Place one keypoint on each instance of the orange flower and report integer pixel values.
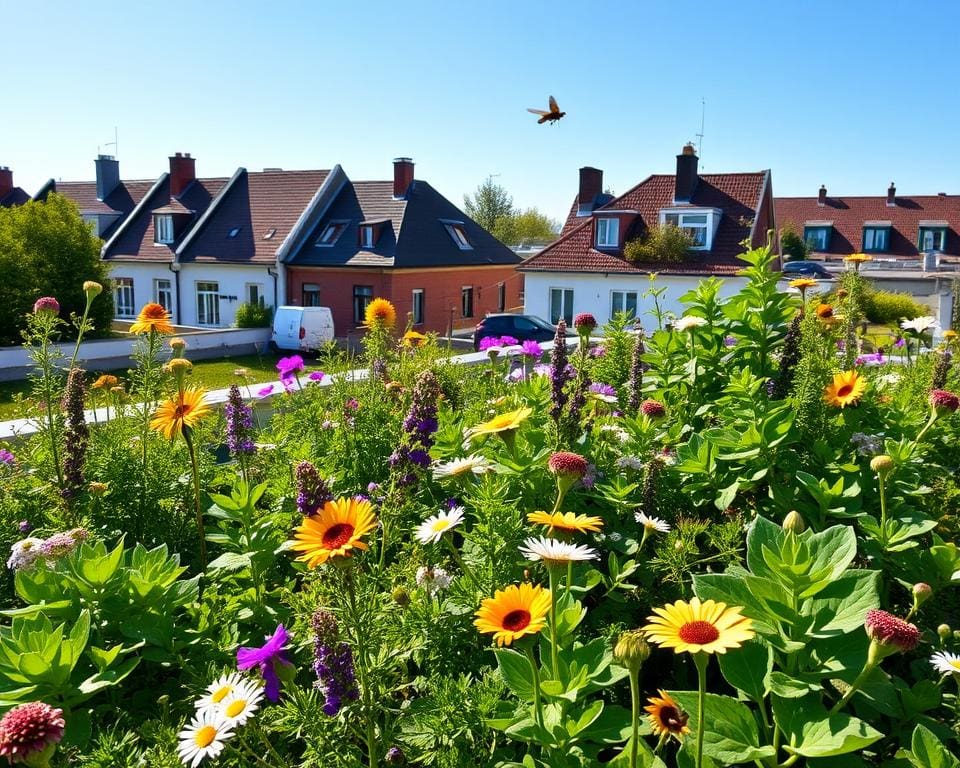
(183, 411)
(334, 531)
(380, 313)
(514, 612)
(846, 389)
(153, 317)
(666, 717)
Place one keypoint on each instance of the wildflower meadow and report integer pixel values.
(720, 538)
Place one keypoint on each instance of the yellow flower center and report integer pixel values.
(698, 632)
(220, 694)
(234, 708)
(955, 663)
(204, 736)
(440, 525)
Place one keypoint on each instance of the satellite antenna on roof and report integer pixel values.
(703, 115)
(115, 143)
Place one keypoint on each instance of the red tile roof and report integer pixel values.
(738, 195)
(848, 215)
(256, 204)
(120, 200)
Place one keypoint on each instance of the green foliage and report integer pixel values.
(794, 247)
(888, 308)
(46, 249)
(660, 244)
(254, 315)
(491, 206)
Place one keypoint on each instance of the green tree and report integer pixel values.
(667, 243)
(533, 226)
(794, 247)
(46, 249)
(488, 204)
(491, 206)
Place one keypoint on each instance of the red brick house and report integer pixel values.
(894, 229)
(9, 194)
(585, 270)
(402, 240)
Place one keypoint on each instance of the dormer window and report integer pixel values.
(817, 235)
(933, 236)
(876, 237)
(459, 237)
(331, 233)
(367, 238)
(699, 225)
(163, 229)
(608, 233)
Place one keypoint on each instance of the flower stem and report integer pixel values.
(80, 329)
(554, 637)
(195, 471)
(701, 660)
(362, 671)
(883, 509)
(635, 715)
(861, 679)
(535, 668)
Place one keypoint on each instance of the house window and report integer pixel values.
(310, 295)
(466, 301)
(123, 296)
(208, 303)
(501, 297)
(623, 301)
(818, 238)
(459, 237)
(163, 294)
(255, 293)
(561, 305)
(876, 239)
(362, 295)
(94, 222)
(270, 233)
(163, 229)
(234, 232)
(417, 306)
(608, 233)
(331, 233)
(932, 238)
(696, 225)
(366, 237)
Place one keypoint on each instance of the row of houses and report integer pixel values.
(202, 245)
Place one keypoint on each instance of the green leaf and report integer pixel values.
(732, 589)
(790, 687)
(730, 735)
(748, 669)
(840, 607)
(928, 751)
(231, 561)
(812, 732)
(516, 673)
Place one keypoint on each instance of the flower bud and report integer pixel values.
(881, 464)
(92, 289)
(890, 632)
(394, 756)
(794, 522)
(177, 345)
(401, 597)
(944, 402)
(46, 304)
(944, 631)
(98, 489)
(631, 650)
(653, 409)
(921, 593)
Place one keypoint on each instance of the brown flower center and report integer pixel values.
(698, 632)
(672, 719)
(845, 390)
(181, 410)
(516, 620)
(337, 535)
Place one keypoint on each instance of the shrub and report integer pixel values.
(254, 316)
(887, 308)
(667, 243)
(792, 244)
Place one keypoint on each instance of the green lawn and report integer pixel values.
(216, 373)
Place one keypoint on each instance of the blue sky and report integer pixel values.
(851, 94)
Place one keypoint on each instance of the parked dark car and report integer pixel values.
(792, 269)
(521, 327)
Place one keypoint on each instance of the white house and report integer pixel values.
(585, 270)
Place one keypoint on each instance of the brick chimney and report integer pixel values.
(402, 176)
(822, 197)
(591, 186)
(183, 173)
(108, 175)
(686, 179)
(891, 196)
(6, 181)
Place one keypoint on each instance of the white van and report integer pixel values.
(301, 328)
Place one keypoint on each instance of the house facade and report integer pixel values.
(585, 269)
(402, 240)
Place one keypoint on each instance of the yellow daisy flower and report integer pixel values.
(566, 521)
(802, 283)
(695, 627)
(505, 422)
(514, 612)
(666, 717)
(380, 313)
(846, 389)
(334, 531)
(185, 409)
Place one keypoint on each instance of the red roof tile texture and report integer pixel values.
(849, 214)
(738, 195)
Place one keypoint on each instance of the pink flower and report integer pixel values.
(264, 391)
(584, 322)
(566, 463)
(508, 341)
(268, 658)
(46, 304)
(290, 366)
(653, 409)
(944, 401)
(30, 729)
(316, 376)
(886, 629)
(532, 349)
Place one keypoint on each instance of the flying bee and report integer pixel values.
(548, 117)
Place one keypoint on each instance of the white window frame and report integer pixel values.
(121, 285)
(459, 237)
(708, 226)
(501, 297)
(159, 289)
(366, 236)
(608, 232)
(623, 294)
(249, 296)
(565, 312)
(417, 306)
(331, 234)
(163, 229)
(212, 297)
(934, 233)
(94, 221)
(872, 232)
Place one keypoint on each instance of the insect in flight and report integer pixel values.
(548, 117)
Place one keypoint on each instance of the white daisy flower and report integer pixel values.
(889, 379)
(630, 462)
(920, 324)
(687, 322)
(219, 690)
(431, 529)
(475, 464)
(240, 705)
(433, 579)
(946, 663)
(204, 737)
(652, 523)
(552, 551)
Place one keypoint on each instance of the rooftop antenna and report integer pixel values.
(703, 115)
(115, 143)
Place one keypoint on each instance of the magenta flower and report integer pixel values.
(29, 732)
(290, 366)
(46, 304)
(532, 349)
(317, 376)
(487, 342)
(268, 658)
(264, 391)
(508, 341)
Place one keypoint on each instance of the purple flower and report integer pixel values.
(371, 487)
(508, 341)
(75, 435)
(290, 366)
(532, 349)
(264, 391)
(46, 304)
(541, 369)
(268, 658)
(7, 458)
(901, 342)
(419, 426)
(488, 342)
(25, 526)
(351, 404)
(598, 351)
(729, 341)
(316, 376)
(239, 424)
(332, 663)
(312, 490)
(606, 390)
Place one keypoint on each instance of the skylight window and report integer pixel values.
(270, 234)
(459, 237)
(331, 233)
(234, 232)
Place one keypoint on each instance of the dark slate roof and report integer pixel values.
(135, 239)
(255, 203)
(120, 202)
(738, 195)
(16, 196)
(849, 214)
(416, 236)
